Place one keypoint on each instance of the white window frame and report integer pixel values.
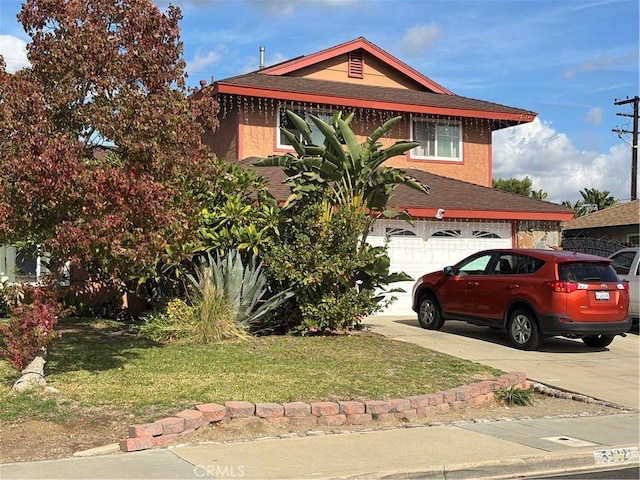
(416, 153)
(324, 114)
(10, 261)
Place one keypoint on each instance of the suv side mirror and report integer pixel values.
(448, 271)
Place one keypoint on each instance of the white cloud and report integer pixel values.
(277, 7)
(419, 38)
(275, 59)
(554, 165)
(604, 62)
(14, 51)
(282, 8)
(594, 116)
(201, 62)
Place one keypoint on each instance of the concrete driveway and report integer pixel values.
(611, 374)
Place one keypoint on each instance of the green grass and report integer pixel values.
(98, 366)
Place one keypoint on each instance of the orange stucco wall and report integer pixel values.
(224, 141)
(375, 73)
(259, 134)
(258, 129)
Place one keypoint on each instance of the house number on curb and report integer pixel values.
(616, 455)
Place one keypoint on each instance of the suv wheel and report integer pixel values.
(429, 315)
(523, 330)
(597, 341)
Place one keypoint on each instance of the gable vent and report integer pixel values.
(356, 65)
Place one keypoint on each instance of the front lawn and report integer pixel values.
(99, 366)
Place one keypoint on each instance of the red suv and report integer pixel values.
(531, 293)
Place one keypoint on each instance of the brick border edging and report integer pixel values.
(166, 431)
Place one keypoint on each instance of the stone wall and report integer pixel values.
(166, 431)
(539, 234)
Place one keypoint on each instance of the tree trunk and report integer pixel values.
(33, 375)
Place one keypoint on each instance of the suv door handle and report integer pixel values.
(513, 286)
(473, 284)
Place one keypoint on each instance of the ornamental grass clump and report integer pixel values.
(175, 322)
(514, 396)
(216, 314)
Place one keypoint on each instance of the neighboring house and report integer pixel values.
(462, 214)
(19, 268)
(604, 232)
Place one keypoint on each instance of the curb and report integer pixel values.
(544, 464)
(553, 391)
(102, 450)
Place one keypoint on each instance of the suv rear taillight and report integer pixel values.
(563, 287)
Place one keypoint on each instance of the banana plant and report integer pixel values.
(342, 171)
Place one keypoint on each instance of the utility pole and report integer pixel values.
(634, 142)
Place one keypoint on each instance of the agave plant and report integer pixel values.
(244, 287)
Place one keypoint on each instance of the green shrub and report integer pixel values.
(334, 311)
(320, 260)
(514, 396)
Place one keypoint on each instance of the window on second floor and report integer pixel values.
(439, 140)
(284, 121)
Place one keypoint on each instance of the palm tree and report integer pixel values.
(599, 200)
(538, 194)
(593, 200)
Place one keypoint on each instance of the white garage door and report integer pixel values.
(432, 245)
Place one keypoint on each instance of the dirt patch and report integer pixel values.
(39, 440)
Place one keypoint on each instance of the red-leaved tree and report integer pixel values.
(101, 146)
(31, 328)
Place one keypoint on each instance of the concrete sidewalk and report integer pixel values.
(505, 449)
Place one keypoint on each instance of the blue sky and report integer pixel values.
(567, 60)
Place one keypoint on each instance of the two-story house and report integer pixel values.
(461, 215)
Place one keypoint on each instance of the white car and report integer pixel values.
(626, 263)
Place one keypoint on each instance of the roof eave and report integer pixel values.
(602, 227)
(232, 89)
(492, 214)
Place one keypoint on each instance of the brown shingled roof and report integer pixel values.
(348, 94)
(458, 198)
(621, 215)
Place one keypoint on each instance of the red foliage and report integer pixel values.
(102, 154)
(32, 324)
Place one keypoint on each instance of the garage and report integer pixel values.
(431, 245)
(456, 219)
